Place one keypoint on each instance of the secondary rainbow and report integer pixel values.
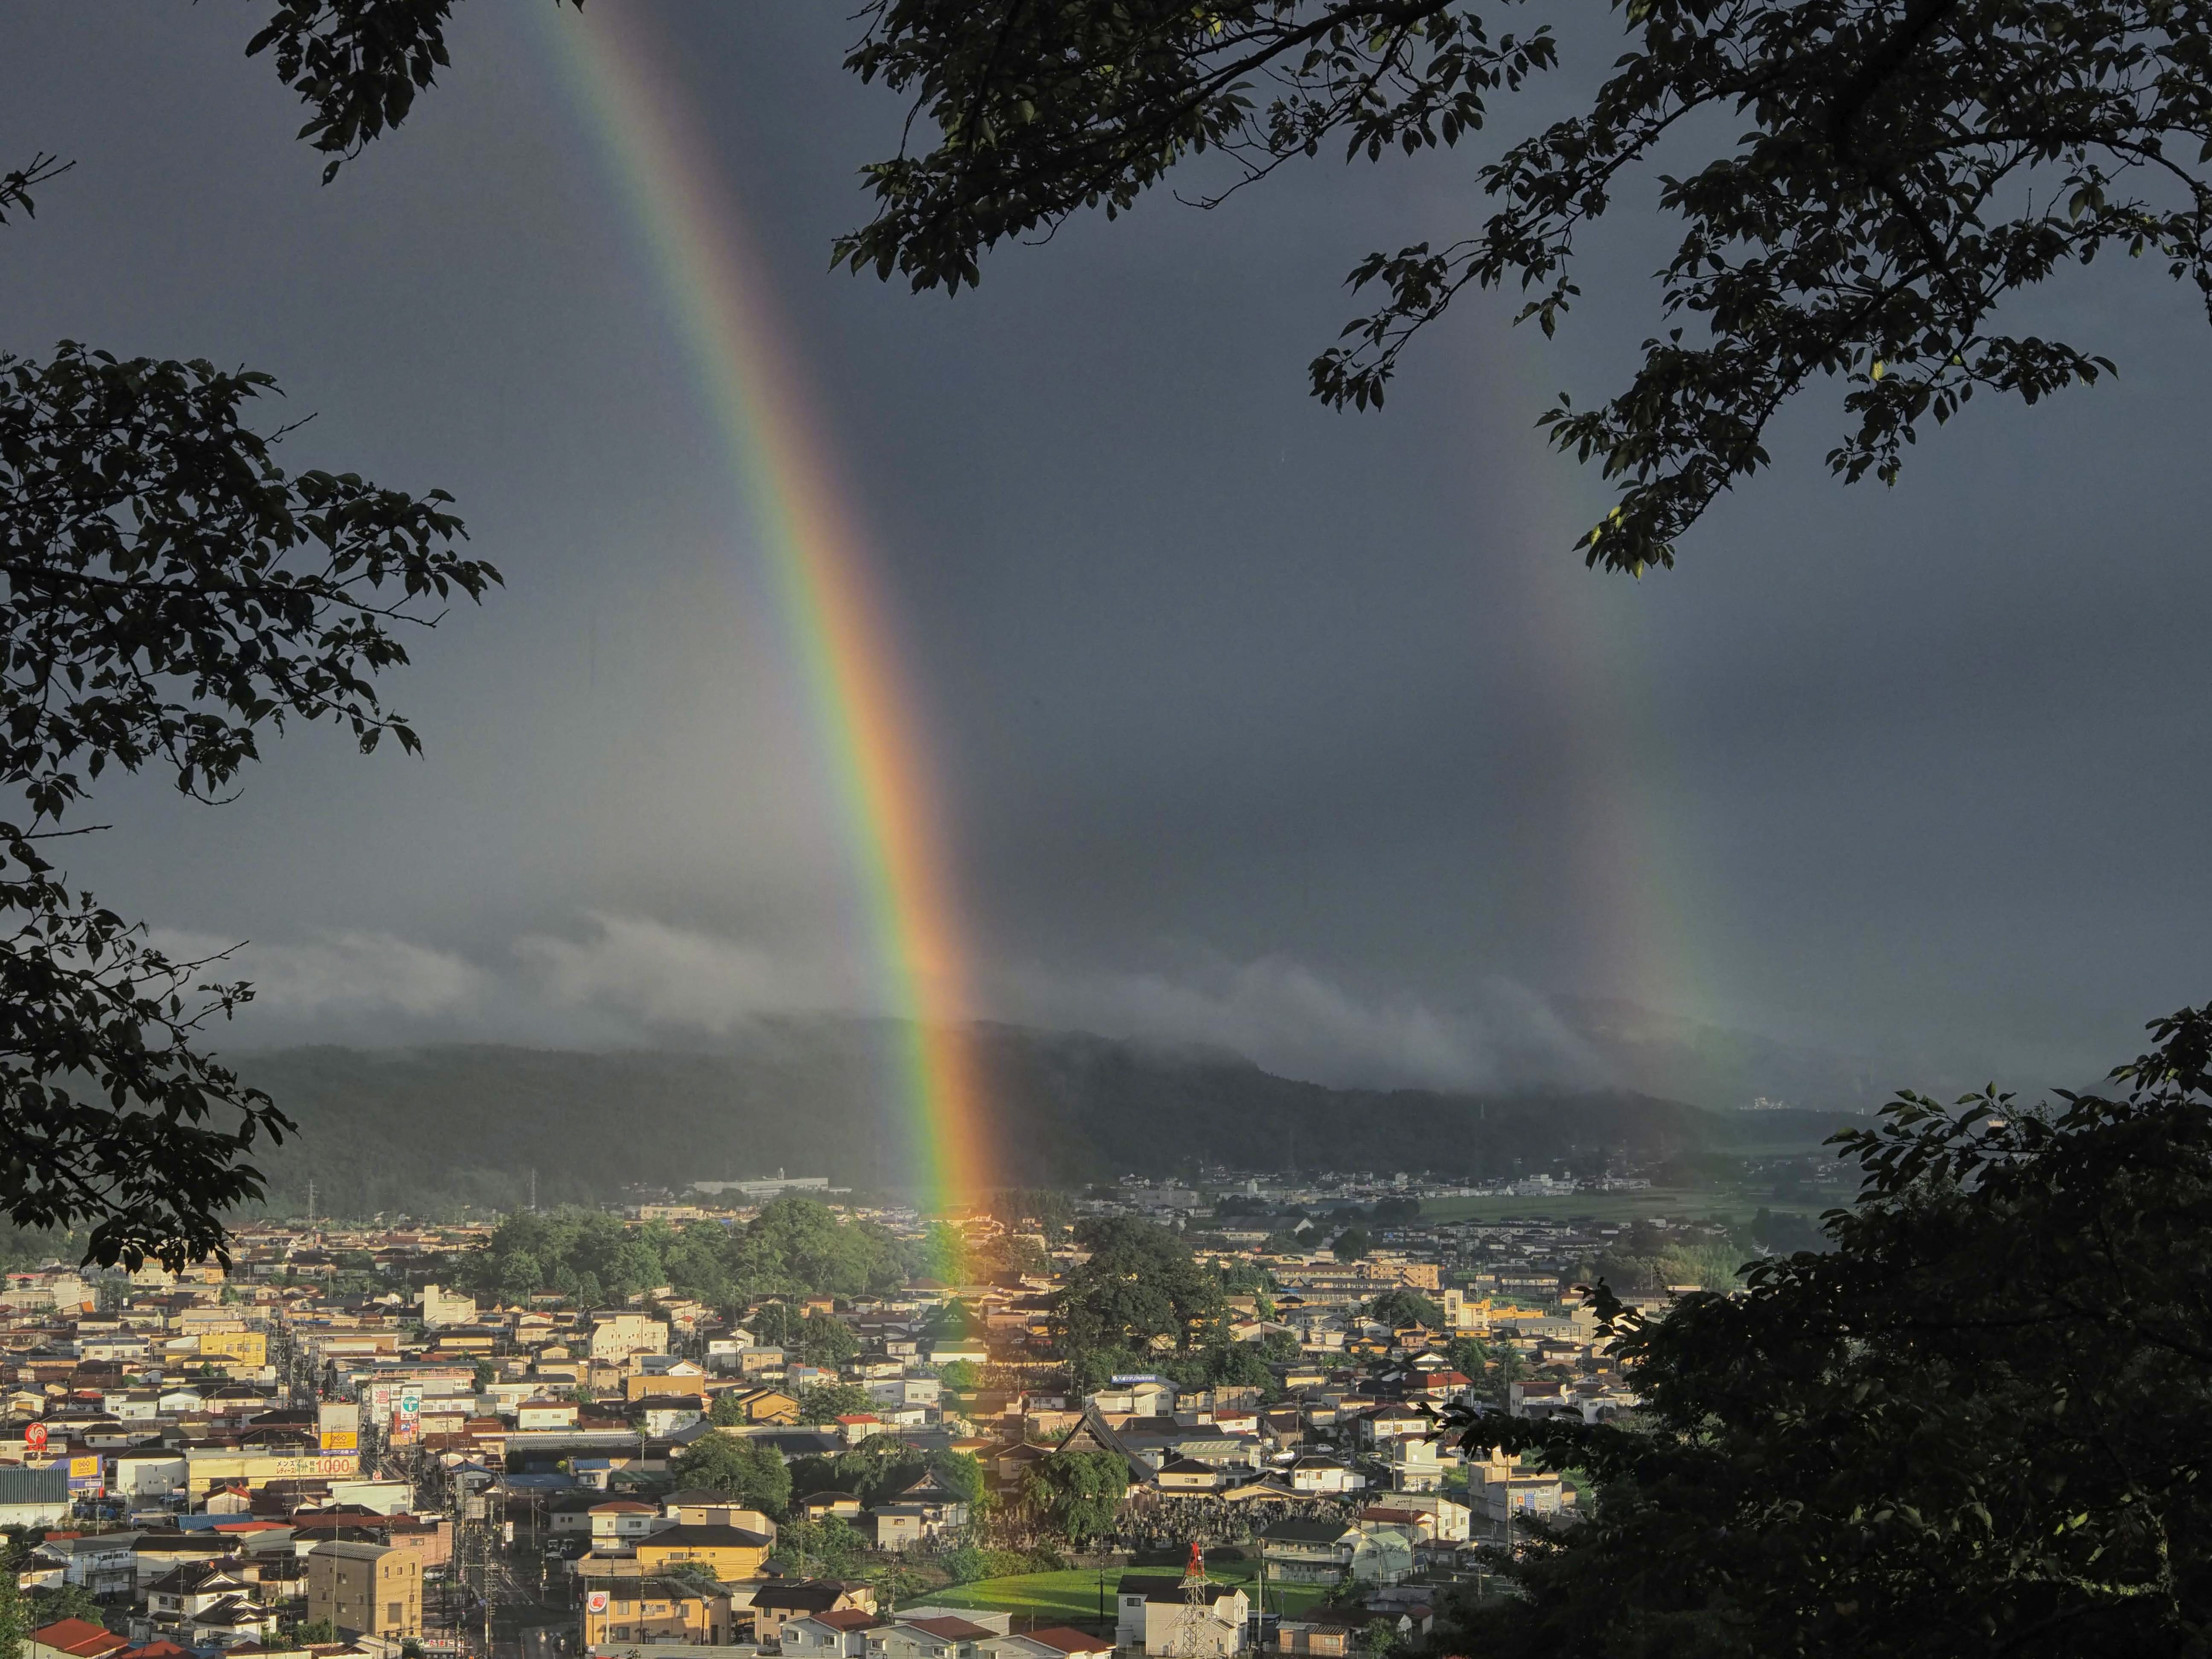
(818, 566)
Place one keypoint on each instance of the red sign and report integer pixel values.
(34, 1437)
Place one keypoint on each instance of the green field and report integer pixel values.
(1072, 1596)
(1683, 1203)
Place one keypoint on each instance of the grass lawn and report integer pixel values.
(1072, 1596)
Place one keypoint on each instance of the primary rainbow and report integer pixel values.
(819, 569)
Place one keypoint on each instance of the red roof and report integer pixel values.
(1068, 1640)
(80, 1637)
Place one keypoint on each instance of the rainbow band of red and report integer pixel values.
(821, 575)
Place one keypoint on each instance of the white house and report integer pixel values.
(927, 1638)
(840, 1633)
(1318, 1473)
(1159, 1614)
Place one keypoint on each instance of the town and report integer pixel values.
(760, 1418)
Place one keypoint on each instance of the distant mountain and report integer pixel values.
(1727, 1070)
(426, 1129)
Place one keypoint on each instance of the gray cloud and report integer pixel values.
(1293, 1021)
(349, 975)
(668, 976)
(1323, 698)
(633, 978)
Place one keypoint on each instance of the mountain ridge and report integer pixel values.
(442, 1125)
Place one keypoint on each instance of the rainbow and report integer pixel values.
(819, 570)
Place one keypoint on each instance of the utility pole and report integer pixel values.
(533, 1192)
(311, 1206)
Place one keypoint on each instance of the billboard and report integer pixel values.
(34, 1437)
(406, 1413)
(337, 1426)
(595, 1602)
(84, 1474)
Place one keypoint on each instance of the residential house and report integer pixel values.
(1332, 1552)
(72, 1638)
(154, 1553)
(105, 1564)
(1160, 1614)
(842, 1633)
(664, 1374)
(1446, 1516)
(1417, 1465)
(781, 1599)
(655, 1611)
(618, 1522)
(1057, 1642)
(1440, 1387)
(769, 1406)
(662, 1415)
(182, 1591)
(729, 1552)
(366, 1590)
(1188, 1475)
(1497, 1488)
(1395, 1421)
(896, 1528)
(570, 1514)
(1318, 1473)
(698, 1508)
(544, 1413)
(943, 1506)
(444, 1308)
(947, 1637)
(229, 1623)
(617, 1336)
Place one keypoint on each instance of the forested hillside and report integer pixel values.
(431, 1128)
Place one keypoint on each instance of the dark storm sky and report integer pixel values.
(1299, 731)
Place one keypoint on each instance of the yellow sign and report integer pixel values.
(84, 1468)
(341, 1440)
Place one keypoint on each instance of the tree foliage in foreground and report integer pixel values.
(169, 595)
(1857, 186)
(1980, 1423)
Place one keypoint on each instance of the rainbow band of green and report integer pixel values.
(819, 569)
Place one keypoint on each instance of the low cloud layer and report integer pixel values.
(623, 980)
(343, 977)
(668, 976)
(1293, 1021)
